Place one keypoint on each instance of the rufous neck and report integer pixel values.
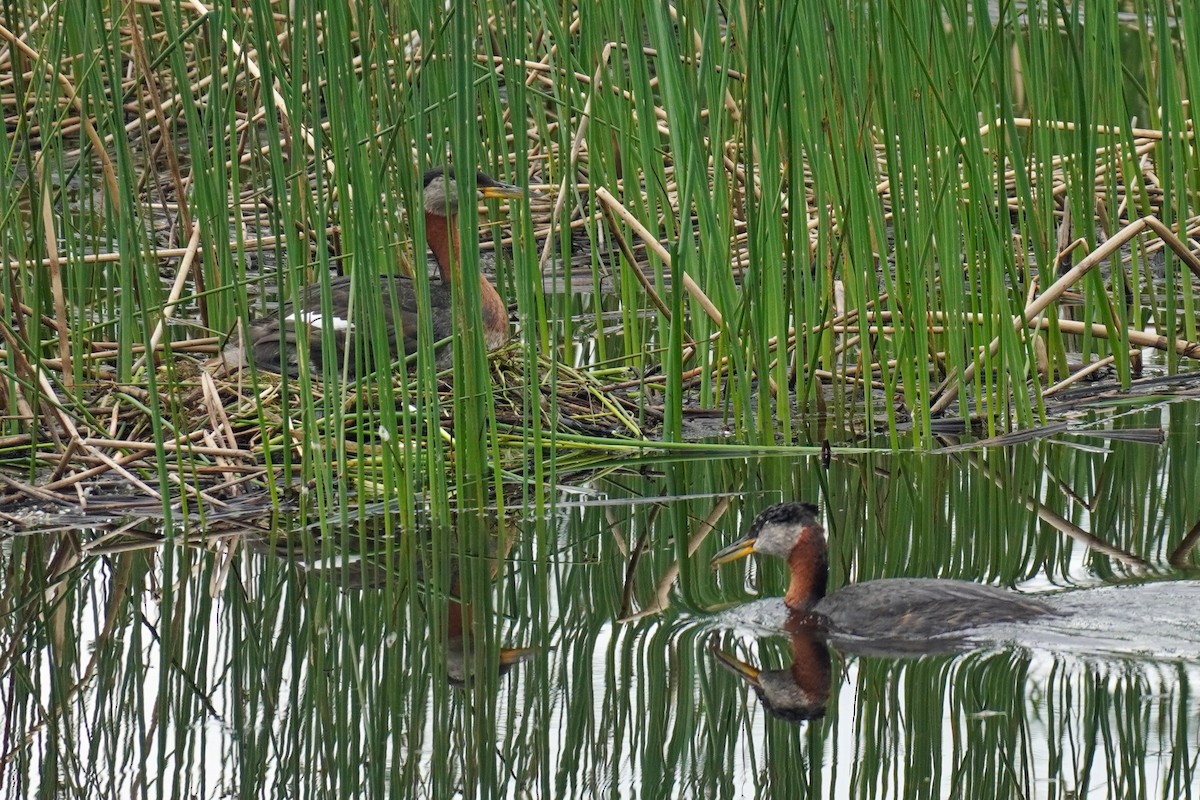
(441, 235)
(809, 568)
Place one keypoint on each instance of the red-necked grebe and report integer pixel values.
(895, 608)
(271, 342)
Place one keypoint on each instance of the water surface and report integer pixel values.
(290, 656)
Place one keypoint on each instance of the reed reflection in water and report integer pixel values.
(313, 661)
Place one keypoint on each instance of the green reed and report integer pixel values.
(310, 684)
(840, 97)
(814, 108)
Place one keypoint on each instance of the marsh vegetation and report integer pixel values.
(932, 265)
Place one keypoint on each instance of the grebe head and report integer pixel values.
(792, 532)
(441, 191)
(775, 532)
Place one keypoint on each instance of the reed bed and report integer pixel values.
(890, 219)
(876, 216)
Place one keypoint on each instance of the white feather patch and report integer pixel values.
(315, 320)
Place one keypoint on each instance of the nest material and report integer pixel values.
(222, 433)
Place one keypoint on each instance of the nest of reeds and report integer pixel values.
(223, 433)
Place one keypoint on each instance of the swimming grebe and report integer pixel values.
(891, 609)
(271, 341)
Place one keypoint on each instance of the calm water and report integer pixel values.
(291, 659)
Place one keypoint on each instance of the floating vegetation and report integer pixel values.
(229, 431)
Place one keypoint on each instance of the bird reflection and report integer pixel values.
(458, 665)
(352, 572)
(799, 692)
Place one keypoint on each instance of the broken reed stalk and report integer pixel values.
(1075, 377)
(654, 244)
(1055, 291)
(50, 230)
(181, 276)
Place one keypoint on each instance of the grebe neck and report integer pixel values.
(441, 233)
(440, 236)
(810, 659)
(809, 567)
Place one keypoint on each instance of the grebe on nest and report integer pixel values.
(271, 342)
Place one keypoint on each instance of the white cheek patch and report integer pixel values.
(776, 540)
(315, 320)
